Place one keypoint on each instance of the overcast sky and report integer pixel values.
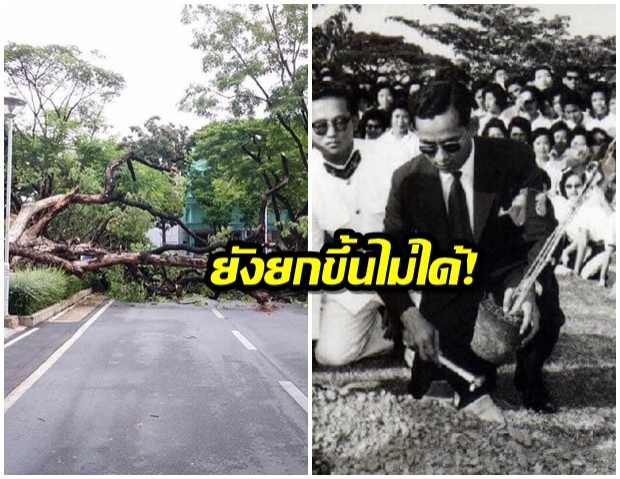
(144, 42)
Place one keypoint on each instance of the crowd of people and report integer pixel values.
(567, 118)
(457, 159)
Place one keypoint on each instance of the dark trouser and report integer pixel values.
(454, 316)
(530, 359)
(455, 319)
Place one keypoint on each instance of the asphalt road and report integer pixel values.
(163, 389)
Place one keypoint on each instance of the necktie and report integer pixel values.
(458, 215)
(347, 169)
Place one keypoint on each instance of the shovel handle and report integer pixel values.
(474, 381)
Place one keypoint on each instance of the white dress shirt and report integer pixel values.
(398, 150)
(357, 203)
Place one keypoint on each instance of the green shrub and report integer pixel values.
(124, 287)
(74, 285)
(33, 289)
(96, 280)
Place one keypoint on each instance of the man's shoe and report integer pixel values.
(485, 409)
(539, 400)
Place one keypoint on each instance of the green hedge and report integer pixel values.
(124, 287)
(33, 289)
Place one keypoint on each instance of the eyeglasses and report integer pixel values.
(571, 77)
(340, 124)
(450, 147)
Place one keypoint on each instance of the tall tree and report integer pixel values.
(66, 93)
(165, 144)
(58, 83)
(243, 165)
(363, 57)
(255, 57)
(489, 35)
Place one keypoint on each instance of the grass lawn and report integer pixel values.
(364, 422)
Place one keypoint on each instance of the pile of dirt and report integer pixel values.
(383, 433)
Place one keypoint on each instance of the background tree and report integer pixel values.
(517, 37)
(256, 58)
(169, 145)
(369, 56)
(363, 58)
(244, 164)
(335, 35)
(482, 36)
(65, 95)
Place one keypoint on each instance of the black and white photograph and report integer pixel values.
(485, 124)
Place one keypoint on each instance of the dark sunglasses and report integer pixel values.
(570, 77)
(340, 124)
(431, 149)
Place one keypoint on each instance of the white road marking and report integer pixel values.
(13, 341)
(299, 397)
(244, 340)
(58, 315)
(20, 390)
(217, 313)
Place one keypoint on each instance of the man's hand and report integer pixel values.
(418, 332)
(531, 314)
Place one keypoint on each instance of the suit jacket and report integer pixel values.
(416, 205)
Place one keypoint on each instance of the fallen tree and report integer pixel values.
(29, 242)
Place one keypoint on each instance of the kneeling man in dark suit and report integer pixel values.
(459, 189)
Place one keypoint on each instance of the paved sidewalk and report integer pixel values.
(73, 314)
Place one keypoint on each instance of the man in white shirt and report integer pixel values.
(573, 77)
(350, 185)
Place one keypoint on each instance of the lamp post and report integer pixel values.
(12, 106)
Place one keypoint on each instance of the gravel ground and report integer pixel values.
(364, 422)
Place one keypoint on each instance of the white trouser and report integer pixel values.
(345, 337)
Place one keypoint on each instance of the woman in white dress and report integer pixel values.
(591, 232)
